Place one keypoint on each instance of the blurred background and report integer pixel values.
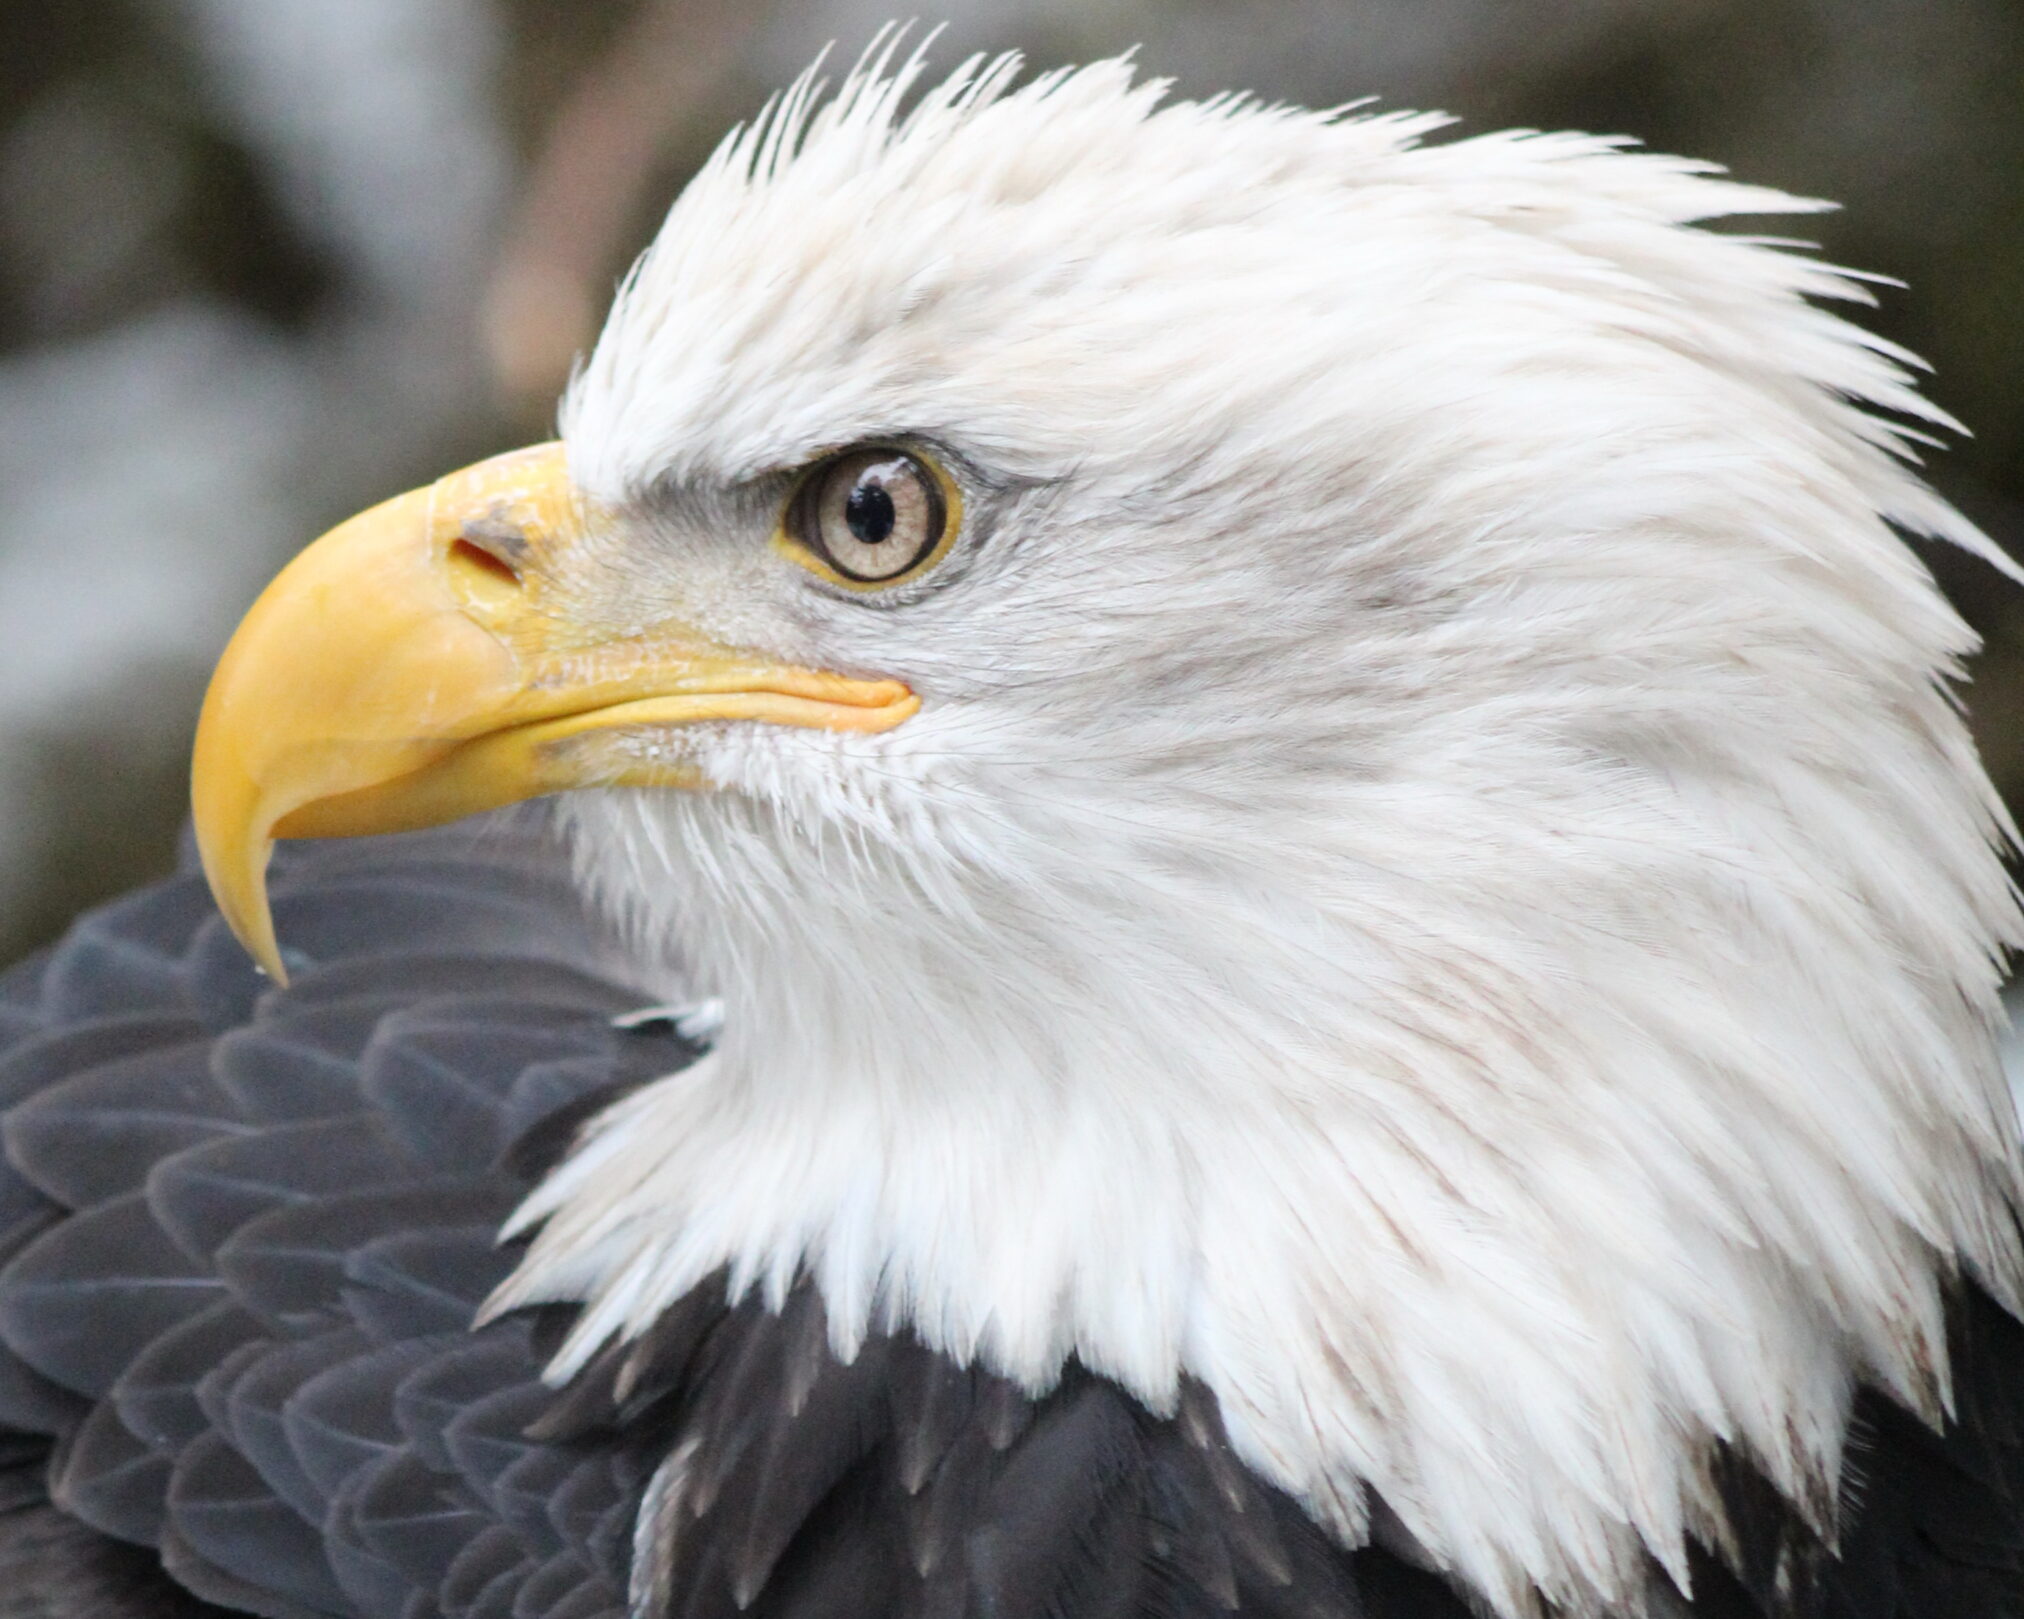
(264, 262)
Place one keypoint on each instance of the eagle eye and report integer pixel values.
(870, 516)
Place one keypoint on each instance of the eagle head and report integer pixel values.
(1301, 759)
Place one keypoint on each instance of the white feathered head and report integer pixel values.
(1435, 883)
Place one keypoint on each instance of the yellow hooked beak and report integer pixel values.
(419, 663)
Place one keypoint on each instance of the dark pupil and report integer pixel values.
(869, 512)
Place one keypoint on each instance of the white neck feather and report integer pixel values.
(1491, 970)
(1501, 1178)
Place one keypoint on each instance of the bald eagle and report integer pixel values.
(1318, 937)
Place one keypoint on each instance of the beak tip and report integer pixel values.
(238, 881)
(270, 965)
(251, 919)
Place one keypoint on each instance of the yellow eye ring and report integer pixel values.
(870, 517)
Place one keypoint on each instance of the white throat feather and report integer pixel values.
(1438, 886)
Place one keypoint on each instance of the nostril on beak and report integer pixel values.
(485, 561)
(476, 558)
(493, 543)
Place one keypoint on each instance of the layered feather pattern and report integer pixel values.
(248, 1230)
